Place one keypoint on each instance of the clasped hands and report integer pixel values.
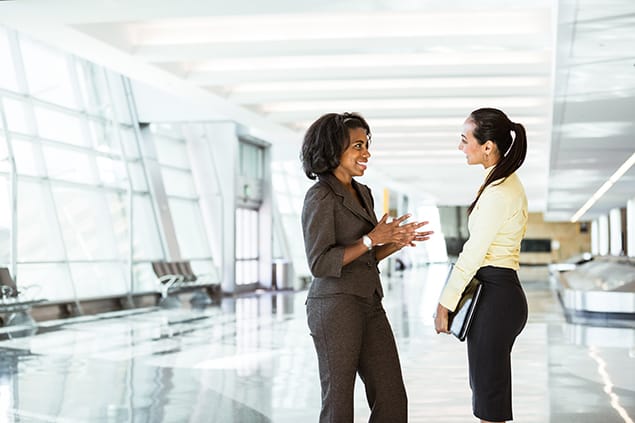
(398, 233)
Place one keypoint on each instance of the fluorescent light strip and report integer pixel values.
(377, 124)
(604, 188)
(284, 27)
(380, 84)
(257, 64)
(387, 104)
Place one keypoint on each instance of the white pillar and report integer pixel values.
(630, 228)
(223, 149)
(603, 235)
(615, 230)
(595, 238)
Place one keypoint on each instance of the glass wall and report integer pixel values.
(81, 180)
(183, 197)
(251, 159)
(250, 197)
(290, 185)
(247, 256)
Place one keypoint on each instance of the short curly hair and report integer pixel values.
(326, 139)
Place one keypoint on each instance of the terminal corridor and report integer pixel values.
(251, 360)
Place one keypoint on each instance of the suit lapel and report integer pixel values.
(347, 199)
(367, 200)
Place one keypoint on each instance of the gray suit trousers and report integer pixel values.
(352, 335)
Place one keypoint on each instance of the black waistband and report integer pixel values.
(493, 274)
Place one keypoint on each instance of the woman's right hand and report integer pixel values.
(394, 232)
(441, 319)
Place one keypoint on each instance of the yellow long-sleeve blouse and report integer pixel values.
(497, 225)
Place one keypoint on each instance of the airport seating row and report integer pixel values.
(176, 277)
(173, 279)
(15, 303)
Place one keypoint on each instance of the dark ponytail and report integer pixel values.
(510, 139)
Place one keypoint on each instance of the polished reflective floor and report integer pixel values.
(252, 360)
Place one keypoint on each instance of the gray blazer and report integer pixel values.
(331, 220)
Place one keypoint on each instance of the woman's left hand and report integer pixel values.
(411, 235)
(402, 235)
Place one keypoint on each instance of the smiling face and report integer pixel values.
(354, 159)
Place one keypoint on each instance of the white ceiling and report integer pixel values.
(594, 108)
(414, 69)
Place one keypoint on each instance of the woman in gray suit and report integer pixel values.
(344, 242)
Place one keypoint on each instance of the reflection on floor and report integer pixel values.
(252, 360)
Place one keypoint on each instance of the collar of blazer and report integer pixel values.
(347, 199)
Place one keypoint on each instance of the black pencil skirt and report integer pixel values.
(501, 315)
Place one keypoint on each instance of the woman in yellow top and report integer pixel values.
(497, 223)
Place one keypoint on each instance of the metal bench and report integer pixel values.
(15, 304)
(176, 277)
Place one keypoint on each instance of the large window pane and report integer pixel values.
(206, 269)
(137, 176)
(5, 164)
(72, 201)
(284, 204)
(118, 209)
(290, 185)
(190, 231)
(38, 239)
(119, 98)
(99, 279)
(129, 140)
(5, 219)
(146, 243)
(69, 165)
(7, 70)
(51, 281)
(251, 158)
(172, 152)
(85, 224)
(47, 73)
(144, 278)
(107, 140)
(59, 126)
(16, 114)
(104, 138)
(178, 182)
(26, 158)
(92, 86)
(111, 172)
(246, 246)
